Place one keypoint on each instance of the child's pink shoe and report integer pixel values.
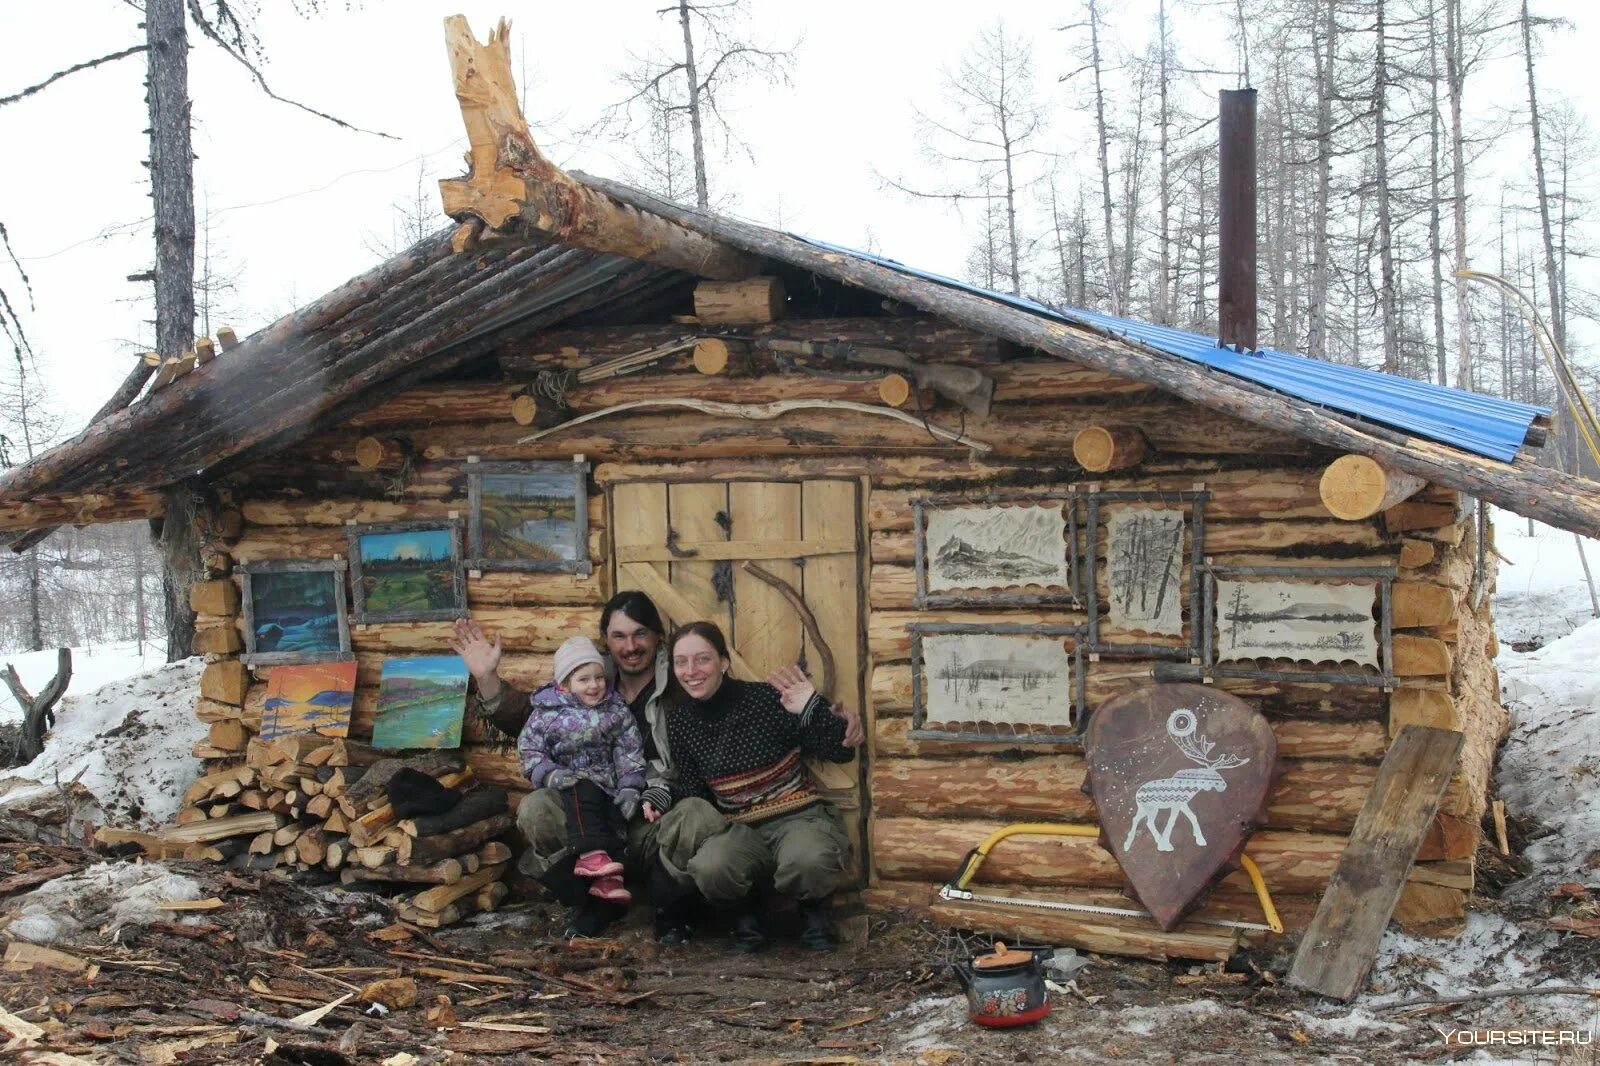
(611, 889)
(596, 864)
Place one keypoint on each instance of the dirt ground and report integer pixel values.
(221, 985)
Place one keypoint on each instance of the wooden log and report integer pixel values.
(352, 753)
(894, 390)
(473, 807)
(207, 831)
(225, 682)
(227, 338)
(1414, 515)
(1419, 603)
(757, 299)
(1433, 707)
(229, 735)
(443, 872)
(311, 847)
(510, 183)
(207, 784)
(1102, 448)
(218, 640)
(189, 815)
(493, 852)
(287, 835)
(375, 780)
(426, 850)
(374, 823)
(490, 896)
(205, 350)
(929, 849)
(1431, 910)
(44, 511)
(1418, 656)
(261, 843)
(374, 857)
(435, 899)
(378, 453)
(712, 355)
(1355, 487)
(1338, 949)
(1416, 553)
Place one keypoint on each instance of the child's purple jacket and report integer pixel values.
(600, 743)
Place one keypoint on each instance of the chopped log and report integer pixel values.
(261, 843)
(375, 822)
(458, 841)
(188, 815)
(473, 807)
(712, 356)
(205, 350)
(1417, 656)
(749, 300)
(339, 853)
(1431, 910)
(207, 831)
(44, 512)
(219, 597)
(376, 778)
(1102, 448)
(337, 822)
(443, 872)
(435, 899)
(218, 640)
(229, 735)
(489, 896)
(287, 835)
(253, 798)
(1416, 553)
(471, 863)
(253, 862)
(1418, 603)
(226, 810)
(379, 453)
(1404, 517)
(355, 754)
(372, 857)
(493, 852)
(227, 338)
(1337, 950)
(208, 784)
(226, 682)
(312, 846)
(510, 183)
(105, 838)
(320, 806)
(1354, 487)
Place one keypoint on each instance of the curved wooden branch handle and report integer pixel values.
(807, 619)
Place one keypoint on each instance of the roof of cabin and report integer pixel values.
(427, 311)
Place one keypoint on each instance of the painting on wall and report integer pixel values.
(996, 679)
(407, 572)
(421, 702)
(528, 516)
(1144, 569)
(294, 612)
(987, 549)
(309, 698)
(1302, 620)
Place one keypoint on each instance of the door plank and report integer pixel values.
(832, 589)
(1338, 948)
(740, 549)
(693, 508)
(768, 632)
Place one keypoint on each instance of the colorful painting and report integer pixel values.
(295, 612)
(528, 516)
(420, 703)
(406, 572)
(1144, 570)
(311, 698)
(995, 547)
(1001, 679)
(1300, 620)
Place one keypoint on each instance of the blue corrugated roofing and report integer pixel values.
(1481, 424)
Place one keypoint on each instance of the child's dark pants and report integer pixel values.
(593, 821)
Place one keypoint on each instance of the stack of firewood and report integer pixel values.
(319, 806)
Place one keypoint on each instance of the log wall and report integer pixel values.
(929, 801)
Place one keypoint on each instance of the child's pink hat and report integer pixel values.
(573, 653)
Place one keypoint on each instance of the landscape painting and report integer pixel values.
(420, 703)
(295, 612)
(309, 698)
(1144, 570)
(995, 547)
(407, 572)
(1297, 620)
(528, 516)
(999, 679)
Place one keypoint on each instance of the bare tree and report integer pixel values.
(991, 122)
(1094, 63)
(411, 218)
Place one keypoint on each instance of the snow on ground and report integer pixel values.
(127, 742)
(92, 668)
(109, 896)
(1540, 593)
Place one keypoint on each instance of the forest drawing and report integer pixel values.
(995, 547)
(295, 612)
(996, 678)
(420, 703)
(407, 572)
(309, 698)
(1144, 569)
(529, 517)
(1296, 620)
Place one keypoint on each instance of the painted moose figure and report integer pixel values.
(1172, 794)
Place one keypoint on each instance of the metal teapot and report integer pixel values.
(1006, 987)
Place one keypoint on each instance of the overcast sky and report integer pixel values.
(294, 201)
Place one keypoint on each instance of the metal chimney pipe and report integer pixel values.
(1236, 216)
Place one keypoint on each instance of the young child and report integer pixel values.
(581, 740)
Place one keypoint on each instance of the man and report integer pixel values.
(635, 640)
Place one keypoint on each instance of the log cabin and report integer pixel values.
(766, 430)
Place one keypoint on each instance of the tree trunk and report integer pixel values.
(1165, 287)
(1380, 83)
(1317, 337)
(1435, 237)
(35, 622)
(171, 174)
(702, 193)
(1455, 84)
(1550, 273)
(1105, 158)
(180, 554)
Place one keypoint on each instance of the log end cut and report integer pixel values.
(1354, 487)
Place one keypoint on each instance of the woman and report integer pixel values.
(739, 745)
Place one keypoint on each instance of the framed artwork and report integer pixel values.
(294, 612)
(407, 572)
(528, 516)
(309, 698)
(1143, 533)
(996, 682)
(421, 702)
(1002, 550)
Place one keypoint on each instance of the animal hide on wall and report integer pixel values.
(1299, 620)
(1144, 569)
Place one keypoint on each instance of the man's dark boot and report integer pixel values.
(676, 908)
(818, 932)
(593, 918)
(749, 936)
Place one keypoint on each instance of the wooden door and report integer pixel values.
(682, 543)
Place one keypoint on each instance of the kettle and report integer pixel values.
(1006, 987)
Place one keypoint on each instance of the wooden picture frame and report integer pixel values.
(574, 546)
(364, 571)
(253, 654)
(1072, 733)
(1064, 593)
(1194, 500)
